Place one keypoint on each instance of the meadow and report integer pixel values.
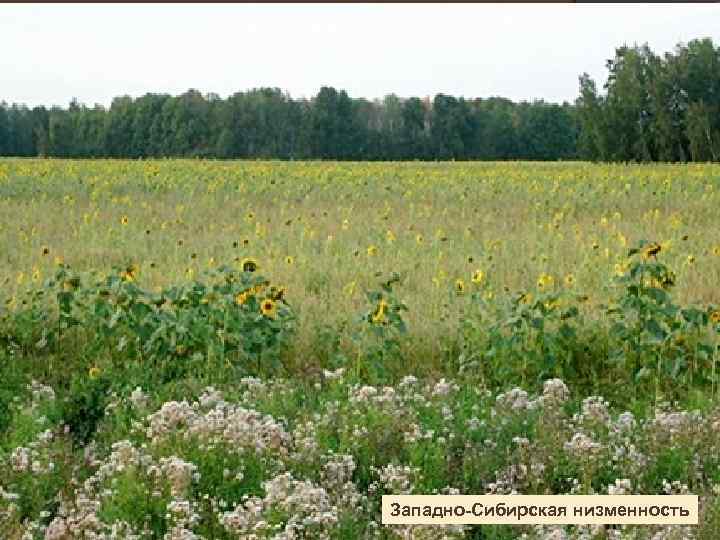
(220, 349)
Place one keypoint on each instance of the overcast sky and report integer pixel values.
(52, 53)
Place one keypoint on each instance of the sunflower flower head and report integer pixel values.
(651, 250)
(130, 273)
(379, 315)
(249, 265)
(277, 293)
(268, 307)
(545, 281)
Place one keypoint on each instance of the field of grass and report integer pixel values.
(201, 349)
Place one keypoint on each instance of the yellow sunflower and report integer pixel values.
(545, 281)
(268, 308)
(130, 273)
(651, 250)
(277, 293)
(380, 311)
(249, 265)
(478, 277)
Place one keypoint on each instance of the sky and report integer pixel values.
(51, 53)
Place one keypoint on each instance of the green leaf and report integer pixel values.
(655, 329)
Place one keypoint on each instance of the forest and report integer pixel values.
(652, 108)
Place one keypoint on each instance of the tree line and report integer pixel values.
(267, 123)
(653, 108)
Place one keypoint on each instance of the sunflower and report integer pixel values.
(130, 273)
(124, 220)
(478, 277)
(277, 293)
(651, 250)
(378, 316)
(268, 308)
(668, 280)
(94, 372)
(242, 297)
(715, 317)
(290, 260)
(545, 281)
(569, 280)
(419, 239)
(372, 250)
(45, 250)
(249, 265)
(459, 286)
(716, 251)
(691, 259)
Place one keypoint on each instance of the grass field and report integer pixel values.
(229, 349)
